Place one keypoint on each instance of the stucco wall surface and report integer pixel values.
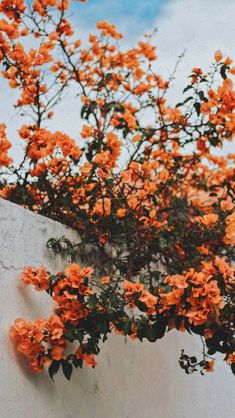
(132, 380)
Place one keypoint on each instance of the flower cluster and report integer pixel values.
(143, 181)
(44, 341)
(195, 295)
(230, 229)
(5, 145)
(88, 309)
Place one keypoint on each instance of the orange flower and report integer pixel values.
(28, 336)
(67, 145)
(197, 71)
(5, 145)
(114, 146)
(229, 238)
(38, 169)
(88, 358)
(203, 300)
(136, 138)
(57, 352)
(74, 275)
(208, 220)
(87, 131)
(225, 269)
(148, 299)
(105, 280)
(108, 30)
(129, 119)
(6, 191)
(39, 278)
(147, 50)
(131, 288)
(121, 213)
(227, 204)
(42, 144)
(36, 364)
(102, 207)
(231, 358)
(203, 249)
(218, 56)
(177, 280)
(55, 327)
(210, 367)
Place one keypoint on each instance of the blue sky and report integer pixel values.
(133, 17)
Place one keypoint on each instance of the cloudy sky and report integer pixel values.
(198, 26)
(133, 17)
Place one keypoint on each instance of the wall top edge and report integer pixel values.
(8, 206)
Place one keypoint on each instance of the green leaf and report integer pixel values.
(203, 80)
(187, 88)
(160, 327)
(92, 301)
(223, 70)
(151, 334)
(77, 362)
(202, 96)
(233, 368)
(214, 141)
(163, 243)
(197, 107)
(141, 306)
(53, 369)
(79, 337)
(108, 77)
(84, 110)
(67, 369)
(69, 335)
(109, 182)
(185, 101)
(126, 327)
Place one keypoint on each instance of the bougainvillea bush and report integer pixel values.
(143, 182)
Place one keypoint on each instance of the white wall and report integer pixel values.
(132, 380)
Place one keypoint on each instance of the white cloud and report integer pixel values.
(198, 26)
